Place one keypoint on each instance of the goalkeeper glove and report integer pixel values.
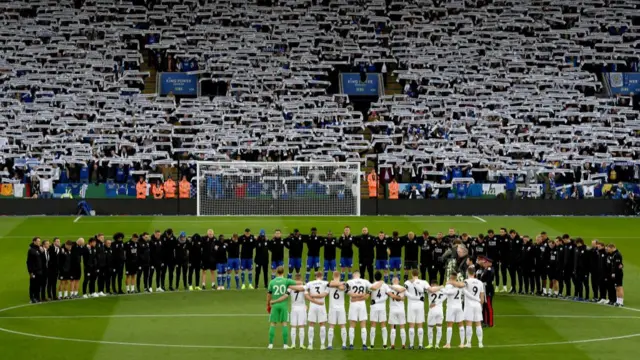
(269, 309)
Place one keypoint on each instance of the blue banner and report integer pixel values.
(351, 84)
(178, 84)
(624, 83)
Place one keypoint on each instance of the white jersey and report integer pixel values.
(436, 299)
(397, 305)
(415, 290)
(317, 287)
(454, 296)
(358, 287)
(297, 299)
(472, 289)
(336, 298)
(380, 296)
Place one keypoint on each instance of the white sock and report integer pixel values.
(430, 336)
(352, 336)
(449, 335)
(438, 335)
(311, 330)
(393, 336)
(620, 301)
(412, 334)
(479, 334)
(420, 337)
(66, 293)
(469, 334)
(544, 290)
(301, 336)
(343, 336)
(384, 336)
(294, 332)
(213, 285)
(330, 337)
(363, 336)
(403, 336)
(461, 331)
(59, 294)
(323, 335)
(372, 336)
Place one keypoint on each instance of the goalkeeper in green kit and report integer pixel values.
(278, 297)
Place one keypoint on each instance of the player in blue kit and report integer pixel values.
(220, 251)
(233, 264)
(345, 243)
(330, 245)
(248, 243)
(382, 254)
(395, 246)
(314, 243)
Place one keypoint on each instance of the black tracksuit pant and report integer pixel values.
(143, 273)
(568, 278)
(262, 269)
(34, 286)
(528, 278)
(168, 269)
(194, 271)
(89, 282)
(157, 270)
(118, 274)
(515, 272)
(366, 265)
(581, 282)
(504, 267)
(595, 285)
(52, 283)
(182, 269)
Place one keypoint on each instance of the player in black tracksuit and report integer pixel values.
(195, 261)
(569, 262)
(76, 266)
(144, 262)
(102, 271)
(595, 271)
(345, 244)
(515, 262)
(412, 245)
(528, 265)
(477, 247)
(248, 245)
(157, 259)
(64, 269)
(395, 245)
(52, 276)
(182, 260)
(262, 258)
(109, 270)
(366, 244)
(382, 254)
(486, 277)
(493, 252)
(118, 262)
(131, 266)
(505, 254)
(428, 258)
(439, 250)
(330, 245)
(554, 267)
(35, 268)
(561, 259)
(169, 242)
(581, 270)
(314, 243)
(541, 252)
(208, 259)
(90, 267)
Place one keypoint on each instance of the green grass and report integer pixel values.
(233, 325)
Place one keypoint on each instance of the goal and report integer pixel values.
(278, 188)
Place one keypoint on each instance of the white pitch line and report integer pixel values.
(479, 218)
(76, 219)
(182, 346)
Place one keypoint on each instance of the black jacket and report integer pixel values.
(276, 246)
(182, 252)
(366, 245)
(582, 260)
(248, 245)
(144, 252)
(157, 254)
(195, 250)
(118, 251)
(314, 243)
(262, 251)
(54, 258)
(382, 246)
(109, 258)
(330, 246)
(412, 248)
(295, 246)
(100, 255)
(569, 256)
(89, 259)
(64, 261)
(345, 244)
(528, 256)
(131, 252)
(395, 246)
(168, 248)
(207, 253)
(515, 246)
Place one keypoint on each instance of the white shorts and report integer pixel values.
(337, 316)
(455, 315)
(415, 313)
(378, 314)
(435, 317)
(397, 317)
(472, 311)
(298, 316)
(358, 312)
(317, 314)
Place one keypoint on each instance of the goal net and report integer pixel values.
(278, 188)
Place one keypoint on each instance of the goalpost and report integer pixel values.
(278, 188)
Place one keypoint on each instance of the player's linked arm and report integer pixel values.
(457, 284)
(376, 285)
(434, 289)
(312, 299)
(336, 284)
(280, 299)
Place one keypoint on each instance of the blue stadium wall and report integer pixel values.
(479, 207)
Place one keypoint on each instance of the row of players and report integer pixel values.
(563, 261)
(360, 291)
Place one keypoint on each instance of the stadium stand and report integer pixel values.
(489, 89)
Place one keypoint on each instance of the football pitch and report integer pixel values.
(233, 324)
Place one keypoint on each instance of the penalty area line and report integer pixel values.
(77, 219)
(480, 219)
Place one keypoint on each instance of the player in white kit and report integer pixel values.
(337, 313)
(298, 314)
(473, 290)
(358, 291)
(316, 291)
(416, 289)
(397, 316)
(378, 310)
(454, 311)
(435, 316)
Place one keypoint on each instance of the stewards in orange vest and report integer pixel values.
(157, 190)
(372, 179)
(170, 189)
(141, 189)
(394, 188)
(185, 188)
